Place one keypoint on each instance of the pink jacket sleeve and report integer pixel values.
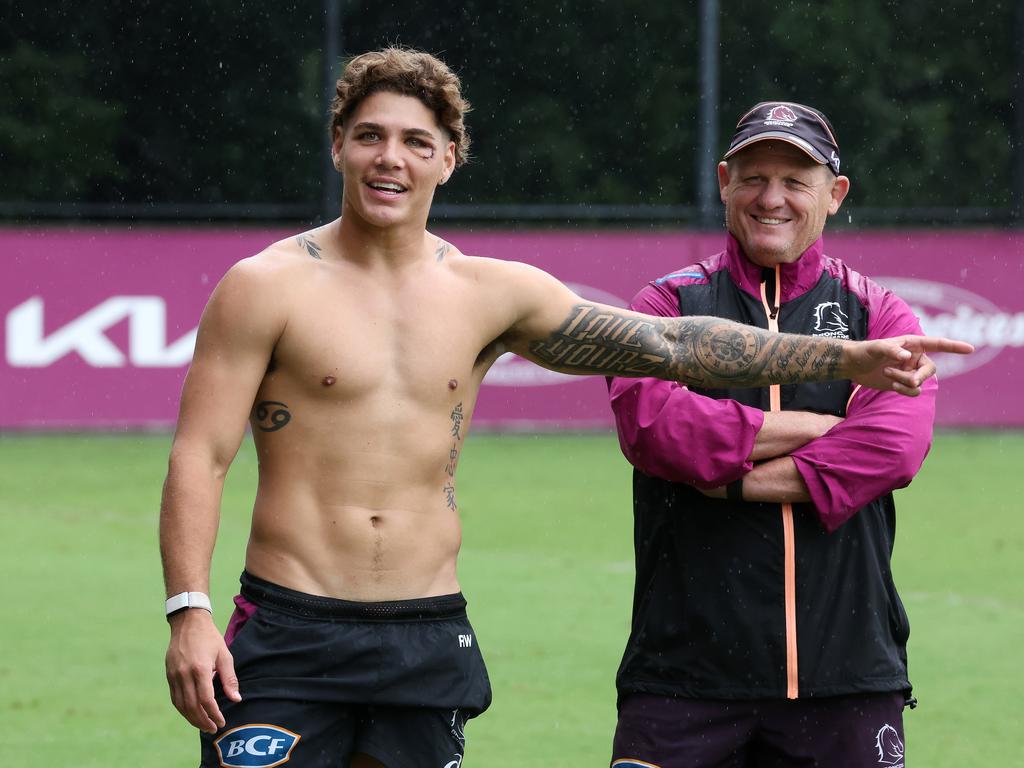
(667, 431)
(884, 439)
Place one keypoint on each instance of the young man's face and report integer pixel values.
(392, 154)
(776, 200)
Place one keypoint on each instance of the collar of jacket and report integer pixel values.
(796, 278)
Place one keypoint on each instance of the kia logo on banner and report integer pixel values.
(945, 310)
(96, 337)
(511, 370)
(28, 346)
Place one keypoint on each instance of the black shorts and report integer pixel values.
(324, 679)
(852, 731)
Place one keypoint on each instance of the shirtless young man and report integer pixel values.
(356, 351)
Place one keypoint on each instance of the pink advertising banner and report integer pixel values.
(99, 324)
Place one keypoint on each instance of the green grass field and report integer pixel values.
(546, 566)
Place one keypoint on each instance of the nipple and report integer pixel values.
(327, 380)
(453, 383)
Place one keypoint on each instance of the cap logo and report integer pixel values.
(780, 115)
(834, 160)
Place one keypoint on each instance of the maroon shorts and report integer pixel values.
(858, 731)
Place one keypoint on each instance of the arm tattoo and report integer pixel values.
(270, 415)
(593, 340)
(442, 250)
(704, 351)
(307, 242)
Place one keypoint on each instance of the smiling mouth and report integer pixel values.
(768, 220)
(387, 187)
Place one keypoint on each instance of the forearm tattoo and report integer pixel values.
(307, 242)
(270, 415)
(703, 351)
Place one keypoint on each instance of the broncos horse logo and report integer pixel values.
(830, 320)
(782, 113)
(890, 746)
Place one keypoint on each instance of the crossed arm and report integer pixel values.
(792, 456)
(837, 464)
(774, 476)
(660, 422)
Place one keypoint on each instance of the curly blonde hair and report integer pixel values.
(410, 73)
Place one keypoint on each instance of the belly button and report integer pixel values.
(327, 380)
(453, 383)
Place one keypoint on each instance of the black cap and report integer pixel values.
(803, 127)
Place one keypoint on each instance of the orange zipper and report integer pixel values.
(788, 542)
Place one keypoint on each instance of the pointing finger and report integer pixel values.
(938, 344)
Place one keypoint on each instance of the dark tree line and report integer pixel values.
(575, 102)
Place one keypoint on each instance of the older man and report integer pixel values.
(766, 626)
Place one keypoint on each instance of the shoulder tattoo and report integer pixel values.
(311, 246)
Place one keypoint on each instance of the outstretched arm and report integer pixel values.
(592, 338)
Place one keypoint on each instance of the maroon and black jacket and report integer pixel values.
(759, 600)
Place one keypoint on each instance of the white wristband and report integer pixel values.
(185, 600)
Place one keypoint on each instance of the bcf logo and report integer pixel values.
(255, 746)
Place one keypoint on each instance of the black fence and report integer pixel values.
(586, 111)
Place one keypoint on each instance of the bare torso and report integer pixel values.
(360, 419)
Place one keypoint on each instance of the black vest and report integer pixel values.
(709, 608)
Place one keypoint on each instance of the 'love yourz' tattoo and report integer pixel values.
(307, 242)
(703, 351)
(271, 415)
(593, 340)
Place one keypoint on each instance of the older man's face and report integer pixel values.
(777, 199)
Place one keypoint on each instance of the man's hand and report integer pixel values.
(899, 364)
(196, 651)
